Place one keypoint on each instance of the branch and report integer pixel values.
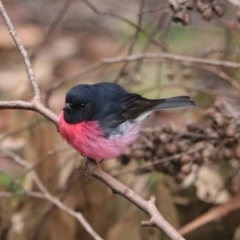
(185, 60)
(213, 214)
(45, 194)
(149, 207)
(173, 57)
(35, 105)
(65, 208)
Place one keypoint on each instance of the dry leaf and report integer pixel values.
(210, 186)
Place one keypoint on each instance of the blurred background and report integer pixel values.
(189, 158)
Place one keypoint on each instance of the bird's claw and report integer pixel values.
(90, 168)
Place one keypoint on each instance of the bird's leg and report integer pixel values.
(91, 165)
(100, 162)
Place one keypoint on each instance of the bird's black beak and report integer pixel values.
(67, 106)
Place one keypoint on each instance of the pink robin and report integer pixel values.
(102, 120)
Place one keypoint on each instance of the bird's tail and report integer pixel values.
(175, 102)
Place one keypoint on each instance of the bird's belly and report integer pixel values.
(88, 139)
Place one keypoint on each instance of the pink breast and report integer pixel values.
(88, 139)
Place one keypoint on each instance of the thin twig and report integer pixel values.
(121, 18)
(173, 57)
(65, 208)
(133, 43)
(213, 214)
(52, 28)
(185, 60)
(45, 194)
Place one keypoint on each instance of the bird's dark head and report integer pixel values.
(79, 103)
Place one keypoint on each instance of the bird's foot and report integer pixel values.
(91, 165)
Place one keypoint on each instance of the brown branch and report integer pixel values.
(46, 112)
(35, 105)
(185, 60)
(45, 194)
(173, 57)
(212, 215)
(19, 104)
(65, 208)
(149, 207)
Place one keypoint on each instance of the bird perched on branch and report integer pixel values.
(102, 120)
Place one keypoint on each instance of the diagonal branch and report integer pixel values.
(213, 214)
(45, 194)
(149, 207)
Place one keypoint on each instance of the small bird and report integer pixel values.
(102, 120)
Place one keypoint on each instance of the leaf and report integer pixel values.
(210, 186)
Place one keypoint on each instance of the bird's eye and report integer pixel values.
(82, 105)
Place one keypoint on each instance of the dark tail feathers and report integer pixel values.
(175, 102)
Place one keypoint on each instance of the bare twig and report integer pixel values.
(48, 155)
(65, 208)
(173, 57)
(212, 215)
(52, 28)
(133, 43)
(121, 18)
(149, 207)
(45, 194)
(185, 60)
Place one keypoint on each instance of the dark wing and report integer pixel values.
(132, 106)
(135, 105)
